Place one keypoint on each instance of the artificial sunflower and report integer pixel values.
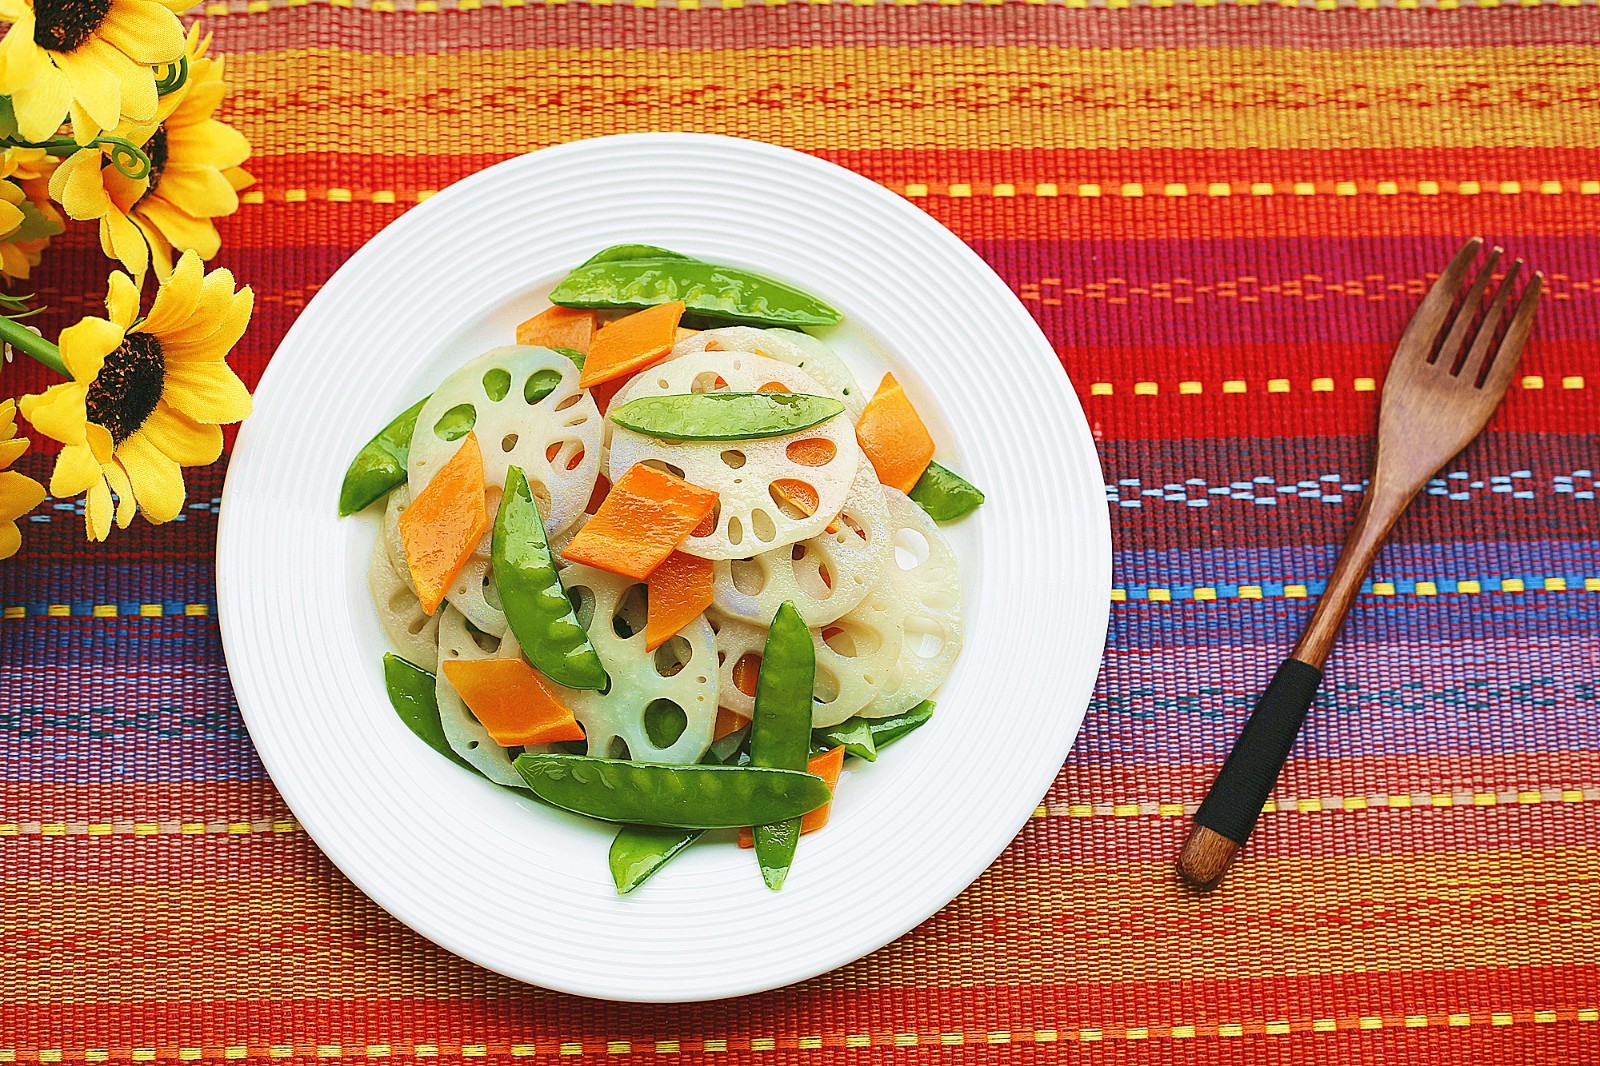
(19, 493)
(195, 163)
(91, 60)
(147, 396)
(91, 189)
(27, 217)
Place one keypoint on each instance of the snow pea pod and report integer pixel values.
(945, 494)
(638, 851)
(381, 464)
(780, 731)
(721, 292)
(535, 604)
(633, 251)
(682, 797)
(881, 732)
(411, 694)
(726, 415)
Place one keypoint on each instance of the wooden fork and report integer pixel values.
(1447, 377)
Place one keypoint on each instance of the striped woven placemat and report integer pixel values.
(1222, 214)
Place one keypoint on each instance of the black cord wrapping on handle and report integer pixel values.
(1246, 779)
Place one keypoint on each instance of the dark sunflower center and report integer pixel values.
(155, 150)
(128, 388)
(63, 25)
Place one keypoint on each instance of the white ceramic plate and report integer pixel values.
(525, 891)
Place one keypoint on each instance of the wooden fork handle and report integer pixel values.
(1229, 812)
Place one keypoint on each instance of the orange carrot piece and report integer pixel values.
(606, 391)
(745, 672)
(680, 589)
(631, 343)
(683, 335)
(644, 517)
(511, 702)
(811, 451)
(559, 327)
(827, 766)
(728, 723)
(444, 523)
(707, 526)
(892, 434)
(801, 497)
(597, 495)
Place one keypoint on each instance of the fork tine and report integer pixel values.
(1430, 314)
(1450, 351)
(1472, 366)
(1509, 354)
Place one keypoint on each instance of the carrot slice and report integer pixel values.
(644, 517)
(559, 327)
(631, 343)
(892, 434)
(745, 672)
(445, 523)
(606, 391)
(511, 702)
(827, 766)
(597, 495)
(680, 589)
(802, 497)
(728, 723)
(811, 451)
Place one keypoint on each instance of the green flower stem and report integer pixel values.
(127, 157)
(32, 345)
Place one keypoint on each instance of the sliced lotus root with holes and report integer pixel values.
(824, 576)
(467, 736)
(413, 633)
(770, 493)
(634, 710)
(787, 346)
(525, 405)
(920, 597)
(472, 592)
(856, 655)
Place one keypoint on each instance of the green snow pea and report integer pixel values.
(638, 851)
(881, 732)
(853, 734)
(945, 494)
(721, 292)
(725, 415)
(381, 464)
(780, 731)
(633, 251)
(577, 357)
(682, 797)
(411, 694)
(535, 604)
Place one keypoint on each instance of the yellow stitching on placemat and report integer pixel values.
(878, 1039)
(224, 8)
(1067, 809)
(1050, 190)
(1276, 386)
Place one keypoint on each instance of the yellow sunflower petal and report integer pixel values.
(40, 93)
(12, 450)
(211, 304)
(157, 481)
(122, 299)
(135, 81)
(15, 10)
(117, 480)
(207, 391)
(98, 438)
(201, 191)
(176, 298)
(220, 341)
(19, 494)
(239, 178)
(77, 187)
(181, 228)
(10, 540)
(8, 418)
(14, 263)
(84, 128)
(126, 243)
(76, 469)
(182, 439)
(95, 86)
(122, 190)
(11, 216)
(58, 412)
(85, 345)
(160, 249)
(210, 142)
(97, 510)
(148, 33)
